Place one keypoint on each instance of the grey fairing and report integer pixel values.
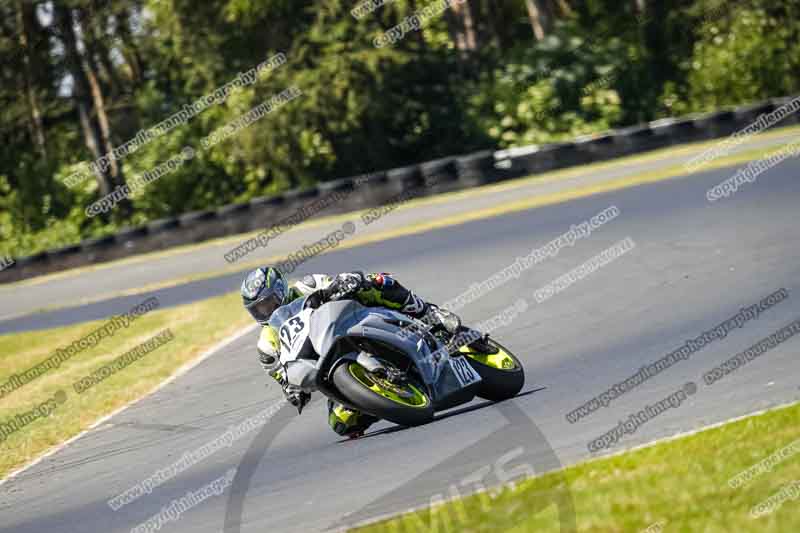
(335, 320)
(302, 373)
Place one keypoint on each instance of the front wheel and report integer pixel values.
(502, 373)
(407, 404)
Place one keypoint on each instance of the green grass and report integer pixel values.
(195, 327)
(682, 483)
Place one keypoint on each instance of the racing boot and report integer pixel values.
(347, 422)
(459, 335)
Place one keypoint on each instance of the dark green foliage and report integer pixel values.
(362, 108)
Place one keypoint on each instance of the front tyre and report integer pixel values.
(407, 405)
(502, 373)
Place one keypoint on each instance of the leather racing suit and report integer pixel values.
(376, 290)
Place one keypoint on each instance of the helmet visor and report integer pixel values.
(263, 309)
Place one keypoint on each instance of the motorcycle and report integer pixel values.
(387, 364)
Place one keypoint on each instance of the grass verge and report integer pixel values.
(681, 485)
(195, 328)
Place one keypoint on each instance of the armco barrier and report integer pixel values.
(477, 169)
(442, 171)
(671, 131)
(371, 190)
(404, 178)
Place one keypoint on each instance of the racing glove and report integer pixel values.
(294, 395)
(436, 316)
(269, 360)
(344, 286)
(297, 397)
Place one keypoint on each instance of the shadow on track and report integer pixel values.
(443, 416)
(520, 435)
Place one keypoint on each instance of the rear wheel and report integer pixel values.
(407, 404)
(502, 373)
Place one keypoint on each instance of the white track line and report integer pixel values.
(691, 432)
(186, 367)
(444, 501)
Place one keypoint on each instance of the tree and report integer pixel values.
(541, 15)
(28, 25)
(90, 102)
(463, 26)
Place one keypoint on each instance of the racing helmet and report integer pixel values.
(263, 291)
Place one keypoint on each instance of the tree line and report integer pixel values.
(81, 78)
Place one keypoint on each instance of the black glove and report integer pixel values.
(316, 299)
(343, 286)
(298, 398)
(437, 317)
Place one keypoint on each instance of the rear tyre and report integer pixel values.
(502, 373)
(407, 405)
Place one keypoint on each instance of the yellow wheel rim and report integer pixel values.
(407, 394)
(501, 360)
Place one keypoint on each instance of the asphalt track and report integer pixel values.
(70, 290)
(695, 265)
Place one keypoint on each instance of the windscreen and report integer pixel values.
(283, 313)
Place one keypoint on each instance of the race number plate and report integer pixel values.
(293, 334)
(465, 374)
